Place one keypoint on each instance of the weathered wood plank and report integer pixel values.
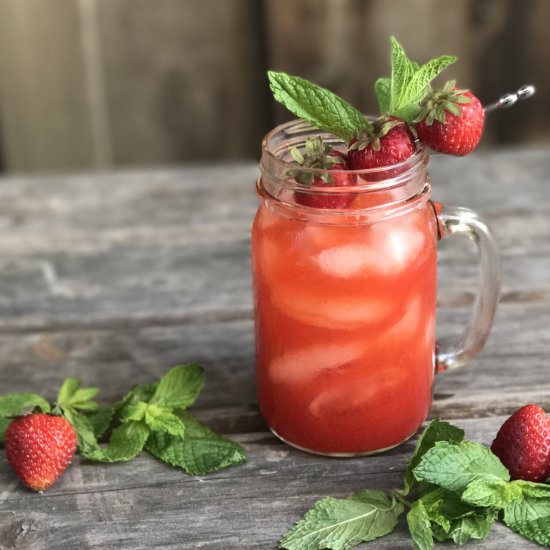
(130, 82)
(44, 102)
(174, 246)
(511, 370)
(151, 505)
(344, 46)
(171, 282)
(153, 271)
(183, 79)
(42, 214)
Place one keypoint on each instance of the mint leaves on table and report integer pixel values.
(16, 404)
(400, 95)
(338, 524)
(150, 416)
(459, 488)
(200, 451)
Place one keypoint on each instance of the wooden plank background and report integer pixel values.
(99, 83)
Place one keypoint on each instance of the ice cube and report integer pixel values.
(347, 261)
(353, 395)
(397, 244)
(307, 363)
(336, 312)
(385, 248)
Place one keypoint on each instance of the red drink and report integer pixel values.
(345, 310)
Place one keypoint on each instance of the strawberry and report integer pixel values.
(322, 157)
(451, 121)
(39, 447)
(523, 444)
(389, 142)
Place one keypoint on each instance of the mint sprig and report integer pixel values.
(318, 106)
(199, 452)
(150, 416)
(409, 81)
(154, 417)
(342, 523)
(401, 95)
(460, 489)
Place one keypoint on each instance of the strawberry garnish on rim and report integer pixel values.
(451, 120)
(388, 142)
(320, 156)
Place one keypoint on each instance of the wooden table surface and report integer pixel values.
(114, 278)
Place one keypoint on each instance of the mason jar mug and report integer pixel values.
(345, 299)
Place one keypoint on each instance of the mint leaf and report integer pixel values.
(71, 395)
(532, 489)
(409, 82)
(474, 526)
(420, 527)
(370, 496)
(157, 418)
(339, 524)
(179, 387)
(199, 452)
(100, 420)
(402, 70)
(418, 84)
(382, 89)
(492, 493)
(126, 442)
(139, 392)
(67, 390)
(530, 518)
(16, 404)
(318, 106)
(437, 430)
(162, 420)
(444, 506)
(454, 465)
(4, 423)
(415, 91)
(134, 411)
(87, 441)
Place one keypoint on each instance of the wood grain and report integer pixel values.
(184, 79)
(114, 278)
(96, 83)
(151, 505)
(46, 121)
(169, 248)
(344, 46)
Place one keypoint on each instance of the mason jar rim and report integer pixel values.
(295, 132)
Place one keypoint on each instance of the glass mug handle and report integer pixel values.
(456, 220)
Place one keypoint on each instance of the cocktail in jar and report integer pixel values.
(344, 264)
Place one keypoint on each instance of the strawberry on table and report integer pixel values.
(523, 444)
(39, 447)
(451, 120)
